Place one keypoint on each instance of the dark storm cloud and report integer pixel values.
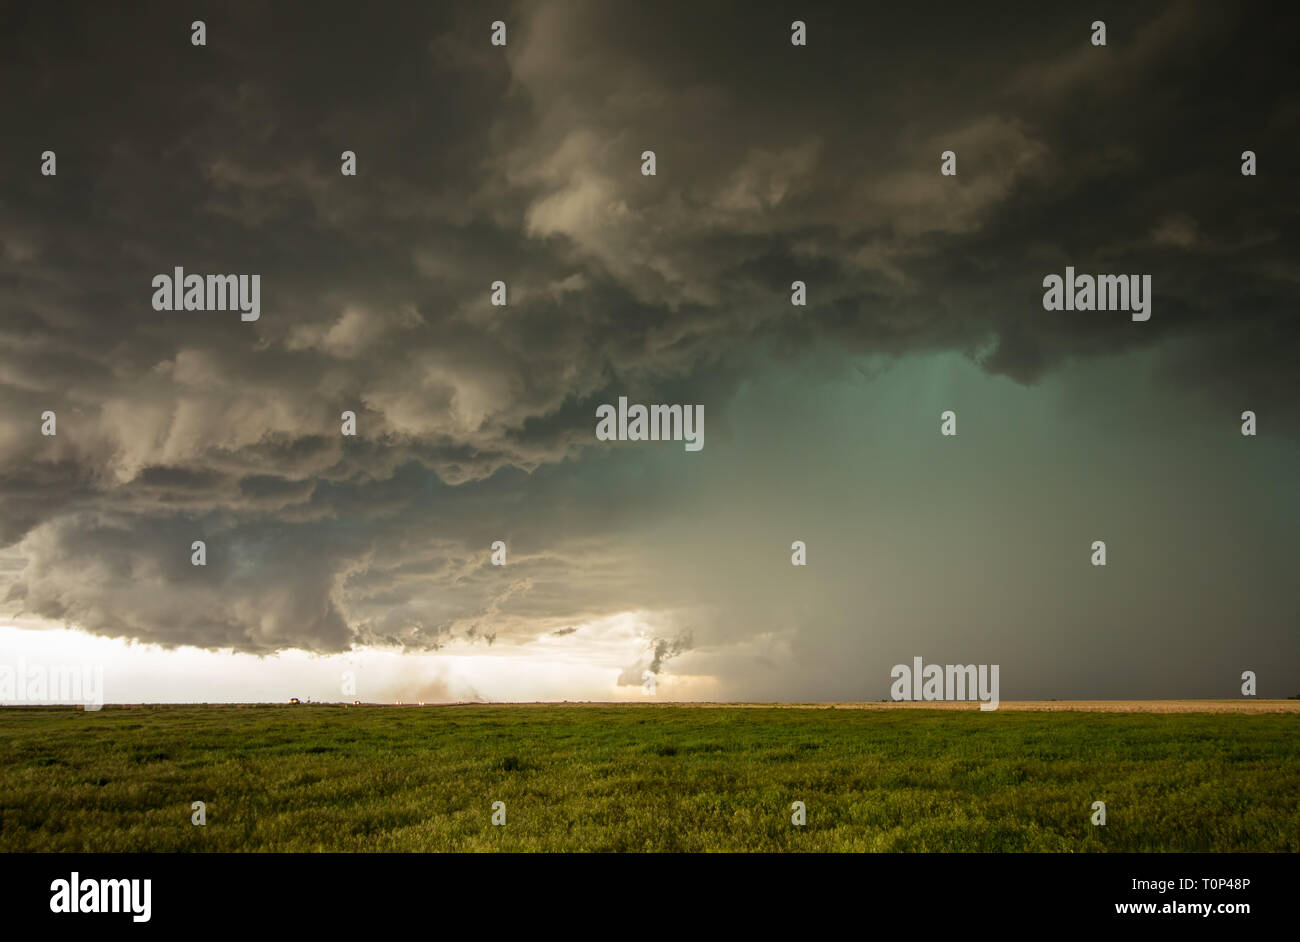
(477, 164)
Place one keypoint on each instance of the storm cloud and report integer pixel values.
(522, 164)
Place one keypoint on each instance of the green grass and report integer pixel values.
(313, 778)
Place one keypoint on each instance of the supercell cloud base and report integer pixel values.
(474, 407)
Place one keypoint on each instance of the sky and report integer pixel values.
(370, 556)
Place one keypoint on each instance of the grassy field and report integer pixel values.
(644, 778)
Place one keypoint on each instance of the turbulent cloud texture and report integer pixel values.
(478, 163)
